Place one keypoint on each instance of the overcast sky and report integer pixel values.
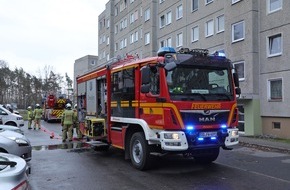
(36, 33)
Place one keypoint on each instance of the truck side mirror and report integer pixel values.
(238, 90)
(237, 84)
(236, 79)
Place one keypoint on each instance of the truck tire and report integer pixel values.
(140, 152)
(209, 157)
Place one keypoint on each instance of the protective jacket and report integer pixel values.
(68, 117)
(37, 113)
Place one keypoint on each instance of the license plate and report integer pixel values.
(208, 134)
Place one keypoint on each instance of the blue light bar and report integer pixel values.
(162, 51)
(212, 138)
(200, 139)
(189, 127)
(223, 126)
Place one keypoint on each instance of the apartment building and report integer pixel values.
(253, 34)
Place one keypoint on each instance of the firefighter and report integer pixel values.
(30, 116)
(67, 120)
(37, 116)
(76, 123)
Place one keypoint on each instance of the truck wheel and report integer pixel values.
(139, 151)
(208, 158)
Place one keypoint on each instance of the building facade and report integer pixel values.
(253, 34)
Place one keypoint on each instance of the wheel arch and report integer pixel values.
(11, 123)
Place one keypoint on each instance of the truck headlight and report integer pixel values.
(234, 133)
(174, 136)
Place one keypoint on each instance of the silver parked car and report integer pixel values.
(15, 143)
(13, 172)
(11, 128)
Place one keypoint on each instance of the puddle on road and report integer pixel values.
(75, 147)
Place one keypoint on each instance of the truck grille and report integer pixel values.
(205, 117)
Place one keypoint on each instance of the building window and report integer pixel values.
(162, 44)
(132, 18)
(275, 45)
(93, 62)
(179, 12)
(179, 40)
(147, 38)
(240, 67)
(108, 23)
(238, 31)
(194, 5)
(162, 21)
(169, 42)
(195, 34)
(208, 1)
(276, 125)
(136, 36)
(220, 23)
(108, 40)
(132, 38)
(147, 14)
(116, 29)
(274, 5)
(275, 89)
(168, 18)
(125, 42)
(161, 1)
(209, 28)
(116, 11)
(116, 46)
(235, 1)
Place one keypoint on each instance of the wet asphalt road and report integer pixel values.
(76, 166)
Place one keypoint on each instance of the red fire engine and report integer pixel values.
(53, 107)
(177, 102)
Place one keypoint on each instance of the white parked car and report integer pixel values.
(8, 118)
(15, 143)
(13, 172)
(11, 128)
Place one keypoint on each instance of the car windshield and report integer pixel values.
(199, 83)
(2, 109)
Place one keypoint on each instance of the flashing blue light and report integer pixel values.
(223, 126)
(163, 50)
(189, 127)
(213, 138)
(200, 139)
(221, 54)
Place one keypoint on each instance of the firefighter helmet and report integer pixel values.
(75, 106)
(29, 107)
(37, 105)
(68, 105)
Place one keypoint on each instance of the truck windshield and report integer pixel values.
(199, 83)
